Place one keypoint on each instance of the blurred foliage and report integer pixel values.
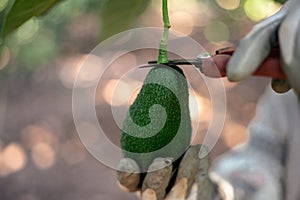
(124, 15)
(35, 41)
(22, 10)
(5, 7)
(66, 29)
(117, 15)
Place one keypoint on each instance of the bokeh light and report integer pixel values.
(187, 5)
(69, 70)
(116, 93)
(5, 56)
(185, 16)
(3, 4)
(126, 61)
(237, 14)
(12, 159)
(134, 94)
(182, 22)
(229, 4)
(73, 152)
(90, 70)
(257, 10)
(40, 140)
(195, 105)
(35, 134)
(43, 155)
(28, 30)
(89, 65)
(216, 31)
(91, 132)
(120, 92)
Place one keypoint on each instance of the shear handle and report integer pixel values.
(270, 67)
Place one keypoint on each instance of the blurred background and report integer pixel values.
(41, 156)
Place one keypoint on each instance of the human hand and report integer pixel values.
(280, 29)
(165, 181)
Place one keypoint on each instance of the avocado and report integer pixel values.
(158, 122)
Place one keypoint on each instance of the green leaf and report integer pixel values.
(5, 7)
(119, 15)
(22, 10)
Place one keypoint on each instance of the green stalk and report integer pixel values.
(166, 14)
(163, 46)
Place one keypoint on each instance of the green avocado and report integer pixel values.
(158, 122)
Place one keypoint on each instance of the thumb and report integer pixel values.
(254, 48)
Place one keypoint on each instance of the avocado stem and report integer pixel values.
(166, 19)
(163, 46)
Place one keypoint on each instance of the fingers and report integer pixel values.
(186, 175)
(128, 175)
(157, 179)
(179, 190)
(193, 169)
(254, 48)
(205, 186)
(289, 38)
(149, 194)
(160, 173)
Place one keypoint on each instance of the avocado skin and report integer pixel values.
(168, 88)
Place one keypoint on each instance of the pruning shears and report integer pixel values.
(214, 65)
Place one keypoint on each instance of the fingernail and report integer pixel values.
(149, 194)
(179, 190)
(128, 175)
